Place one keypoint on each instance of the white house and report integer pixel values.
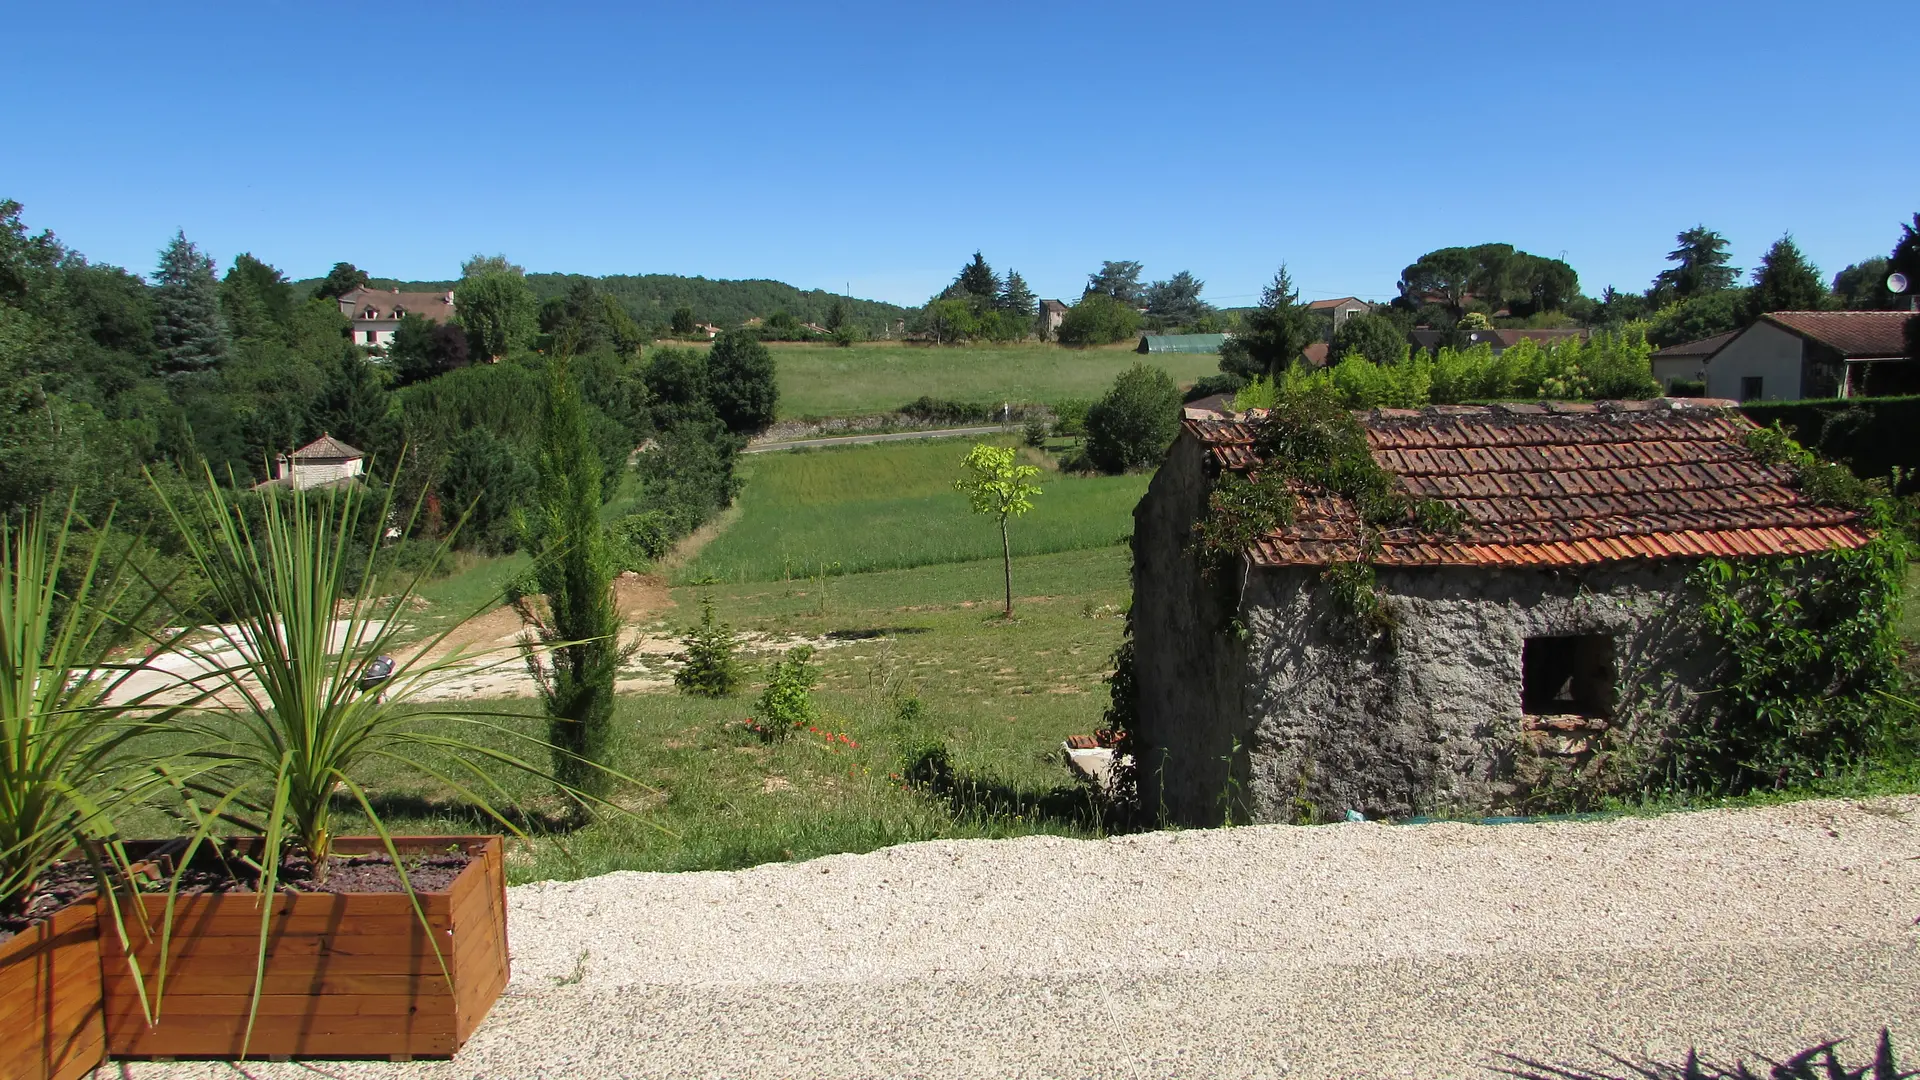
(1794, 355)
(1687, 362)
(376, 312)
(326, 460)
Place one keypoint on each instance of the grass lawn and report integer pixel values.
(887, 506)
(1000, 695)
(825, 380)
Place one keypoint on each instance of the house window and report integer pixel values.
(372, 336)
(1750, 387)
(1567, 676)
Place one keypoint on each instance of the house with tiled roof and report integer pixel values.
(324, 462)
(1687, 362)
(1794, 355)
(376, 313)
(1545, 623)
(1340, 309)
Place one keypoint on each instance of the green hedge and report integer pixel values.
(1870, 435)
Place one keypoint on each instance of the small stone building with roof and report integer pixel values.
(323, 462)
(1554, 617)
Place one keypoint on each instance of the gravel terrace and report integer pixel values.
(1360, 950)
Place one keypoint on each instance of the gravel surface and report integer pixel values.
(1358, 950)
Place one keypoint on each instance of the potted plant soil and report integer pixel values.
(66, 767)
(287, 940)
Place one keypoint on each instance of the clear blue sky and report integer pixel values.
(880, 144)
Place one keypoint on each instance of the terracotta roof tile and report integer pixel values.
(1854, 334)
(1557, 486)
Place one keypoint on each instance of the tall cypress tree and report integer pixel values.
(186, 299)
(1786, 281)
(579, 634)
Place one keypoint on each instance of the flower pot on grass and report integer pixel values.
(346, 974)
(50, 1013)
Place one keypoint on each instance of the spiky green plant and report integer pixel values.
(289, 724)
(69, 725)
(1814, 1063)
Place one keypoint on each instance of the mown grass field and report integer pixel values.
(1001, 695)
(825, 380)
(891, 506)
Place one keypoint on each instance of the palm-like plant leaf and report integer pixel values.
(289, 723)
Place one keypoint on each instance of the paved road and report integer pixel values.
(1360, 950)
(892, 436)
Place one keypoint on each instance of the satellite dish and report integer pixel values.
(1896, 283)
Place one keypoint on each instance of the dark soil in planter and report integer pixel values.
(428, 872)
(60, 887)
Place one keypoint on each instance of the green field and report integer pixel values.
(889, 506)
(824, 380)
(1001, 695)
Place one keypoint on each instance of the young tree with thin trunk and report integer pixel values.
(998, 487)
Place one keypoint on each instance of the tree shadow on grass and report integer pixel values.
(970, 797)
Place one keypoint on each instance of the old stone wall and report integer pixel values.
(1428, 716)
(1188, 666)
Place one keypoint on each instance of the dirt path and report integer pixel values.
(1360, 950)
(858, 440)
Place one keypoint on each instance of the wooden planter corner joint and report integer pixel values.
(346, 975)
(50, 1014)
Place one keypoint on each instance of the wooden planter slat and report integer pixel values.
(50, 1007)
(349, 975)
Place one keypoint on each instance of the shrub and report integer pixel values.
(928, 765)
(709, 666)
(1224, 383)
(1070, 417)
(1036, 430)
(787, 704)
(1133, 425)
(1814, 1063)
(639, 539)
(1098, 319)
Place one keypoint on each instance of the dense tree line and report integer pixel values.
(107, 378)
(663, 304)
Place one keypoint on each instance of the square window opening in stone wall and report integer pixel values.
(1567, 676)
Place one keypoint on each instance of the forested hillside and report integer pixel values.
(651, 299)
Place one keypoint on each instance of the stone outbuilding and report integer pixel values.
(1554, 619)
(324, 462)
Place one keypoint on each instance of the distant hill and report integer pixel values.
(652, 298)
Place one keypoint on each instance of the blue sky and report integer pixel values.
(881, 144)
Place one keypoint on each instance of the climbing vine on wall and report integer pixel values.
(1310, 442)
(1810, 647)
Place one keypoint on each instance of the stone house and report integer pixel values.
(322, 462)
(1553, 620)
(376, 313)
(1794, 355)
(1051, 314)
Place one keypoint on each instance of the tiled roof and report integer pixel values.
(391, 304)
(1559, 485)
(1704, 347)
(326, 446)
(1853, 334)
(1323, 305)
(1316, 353)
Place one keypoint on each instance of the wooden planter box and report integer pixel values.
(50, 1016)
(348, 975)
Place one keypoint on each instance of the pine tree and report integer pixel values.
(256, 299)
(186, 299)
(1702, 258)
(1015, 298)
(837, 314)
(977, 283)
(353, 406)
(1786, 281)
(1274, 334)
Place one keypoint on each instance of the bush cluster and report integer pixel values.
(786, 706)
